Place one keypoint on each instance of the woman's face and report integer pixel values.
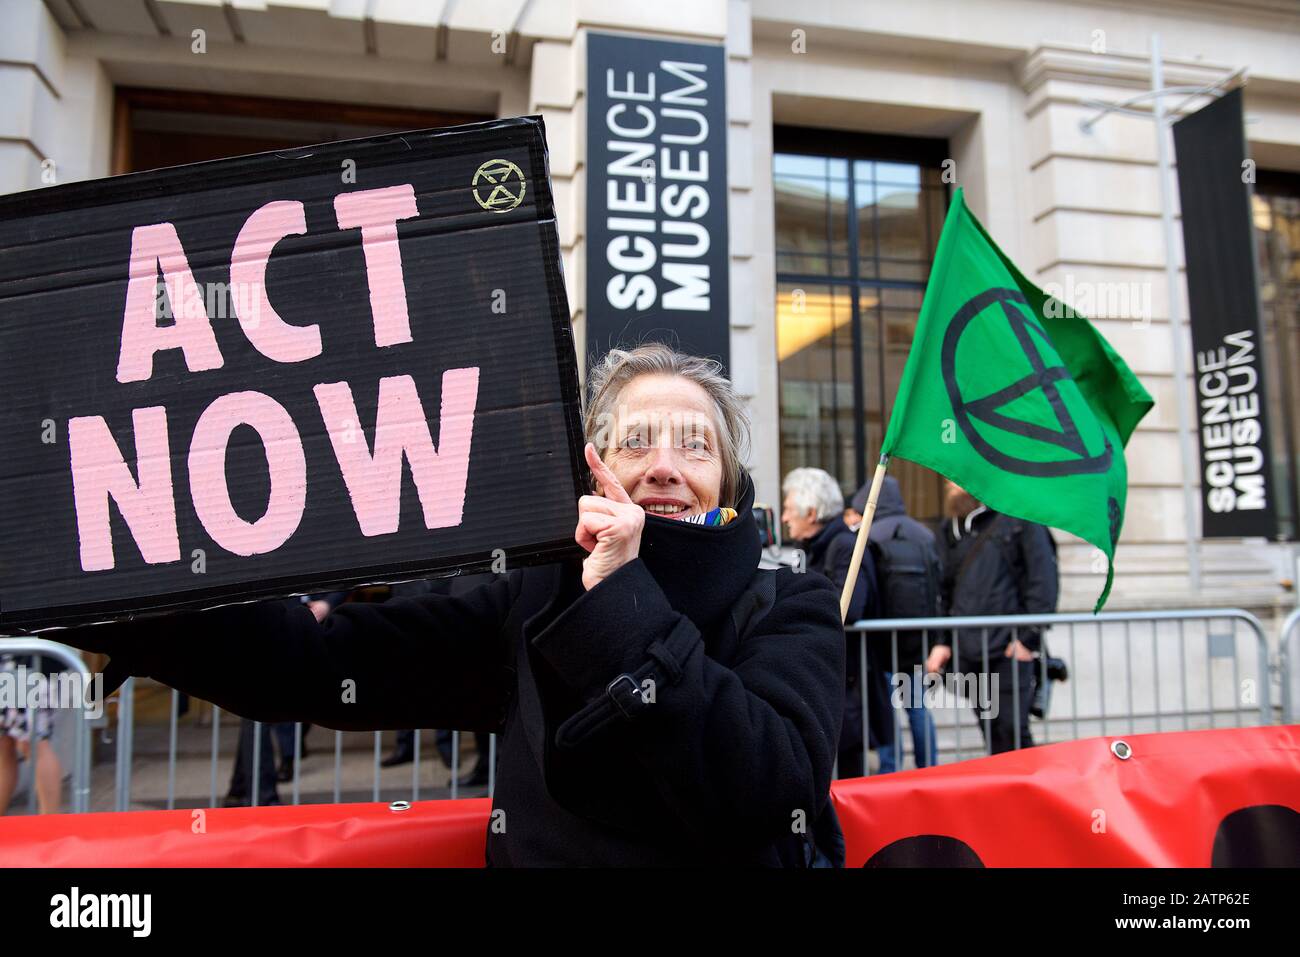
(663, 446)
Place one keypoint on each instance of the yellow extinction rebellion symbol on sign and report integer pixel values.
(507, 185)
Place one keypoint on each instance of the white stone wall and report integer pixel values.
(31, 82)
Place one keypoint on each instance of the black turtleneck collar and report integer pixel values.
(703, 569)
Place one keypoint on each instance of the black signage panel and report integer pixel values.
(657, 259)
(1223, 298)
(285, 372)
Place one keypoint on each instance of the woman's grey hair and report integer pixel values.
(607, 378)
(814, 489)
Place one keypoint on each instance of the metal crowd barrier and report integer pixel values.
(1289, 659)
(1119, 680)
(123, 739)
(72, 665)
(1130, 672)
(125, 742)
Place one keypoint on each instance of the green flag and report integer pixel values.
(1014, 397)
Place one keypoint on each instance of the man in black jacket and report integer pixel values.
(995, 565)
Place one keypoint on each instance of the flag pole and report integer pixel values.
(860, 544)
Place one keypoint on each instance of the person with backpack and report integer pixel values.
(812, 509)
(908, 581)
(994, 564)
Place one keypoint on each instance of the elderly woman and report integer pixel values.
(659, 701)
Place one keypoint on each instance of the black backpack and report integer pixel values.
(908, 575)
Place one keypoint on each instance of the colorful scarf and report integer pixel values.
(715, 516)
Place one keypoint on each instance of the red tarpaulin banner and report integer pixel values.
(1185, 799)
(428, 834)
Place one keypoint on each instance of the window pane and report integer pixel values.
(803, 265)
(900, 327)
(894, 213)
(902, 230)
(905, 174)
(793, 164)
(936, 209)
(872, 386)
(897, 298)
(802, 207)
(864, 195)
(837, 222)
(1277, 228)
(922, 489)
(909, 271)
(815, 355)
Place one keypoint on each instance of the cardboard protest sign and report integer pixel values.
(279, 373)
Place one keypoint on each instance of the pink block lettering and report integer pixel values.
(153, 247)
(99, 472)
(374, 481)
(269, 334)
(284, 459)
(376, 212)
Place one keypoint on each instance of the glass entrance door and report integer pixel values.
(857, 222)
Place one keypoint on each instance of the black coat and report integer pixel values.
(1013, 571)
(739, 738)
(830, 552)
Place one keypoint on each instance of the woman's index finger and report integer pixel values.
(609, 481)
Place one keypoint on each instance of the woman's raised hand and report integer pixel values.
(609, 524)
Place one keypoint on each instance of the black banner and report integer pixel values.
(279, 373)
(179, 905)
(657, 260)
(1223, 297)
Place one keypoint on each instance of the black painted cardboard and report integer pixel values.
(484, 289)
